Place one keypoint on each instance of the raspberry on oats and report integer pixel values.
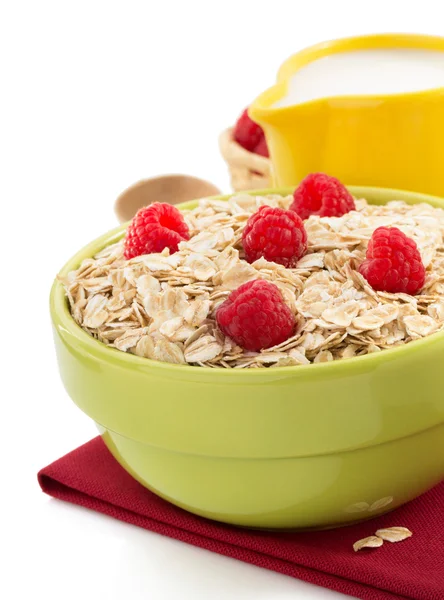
(393, 262)
(321, 195)
(155, 228)
(255, 316)
(275, 234)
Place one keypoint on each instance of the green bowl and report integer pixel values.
(320, 445)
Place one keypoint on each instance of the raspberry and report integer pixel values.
(255, 316)
(154, 228)
(276, 234)
(261, 147)
(247, 133)
(322, 195)
(393, 263)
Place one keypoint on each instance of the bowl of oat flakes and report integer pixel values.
(340, 421)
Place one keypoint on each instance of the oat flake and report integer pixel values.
(394, 534)
(369, 542)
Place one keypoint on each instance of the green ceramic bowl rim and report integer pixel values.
(62, 318)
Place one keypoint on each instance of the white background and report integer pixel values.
(94, 96)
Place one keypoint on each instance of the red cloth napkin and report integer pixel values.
(412, 569)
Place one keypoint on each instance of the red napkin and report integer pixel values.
(410, 570)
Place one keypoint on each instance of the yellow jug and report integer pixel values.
(387, 140)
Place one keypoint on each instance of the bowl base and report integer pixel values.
(301, 494)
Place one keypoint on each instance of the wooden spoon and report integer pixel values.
(166, 188)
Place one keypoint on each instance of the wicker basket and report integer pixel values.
(248, 171)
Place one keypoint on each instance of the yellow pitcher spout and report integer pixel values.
(386, 140)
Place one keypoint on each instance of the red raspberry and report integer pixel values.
(262, 147)
(393, 263)
(322, 195)
(255, 316)
(154, 228)
(247, 133)
(276, 234)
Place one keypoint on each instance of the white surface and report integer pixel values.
(89, 104)
(391, 71)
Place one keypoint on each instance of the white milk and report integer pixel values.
(389, 71)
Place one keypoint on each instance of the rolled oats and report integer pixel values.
(163, 306)
(167, 351)
(203, 349)
(145, 347)
(420, 325)
(342, 315)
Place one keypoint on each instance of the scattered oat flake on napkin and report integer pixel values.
(369, 542)
(388, 534)
(394, 534)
